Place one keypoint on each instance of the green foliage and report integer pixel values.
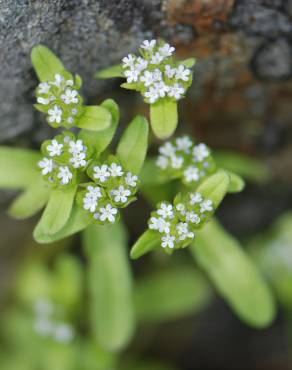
(146, 243)
(236, 184)
(45, 63)
(164, 118)
(113, 71)
(94, 118)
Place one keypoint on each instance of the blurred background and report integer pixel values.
(240, 100)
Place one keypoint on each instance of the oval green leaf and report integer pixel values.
(164, 118)
(45, 63)
(189, 63)
(236, 184)
(146, 243)
(113, 71)
(234, 275)
(94, 118)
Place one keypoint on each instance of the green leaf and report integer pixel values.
(215, 187)
(236, 184)
(45, 63)
(234, 275)
(77, 221)
(32, 200)
(110, 286)
(130, 86)
(146, 243)
(151, 174)
(171, 294)
(102, 139)
(95, 118)
(164, 119)
(18, 167)
(249, 168)
(189, 63)
(133, 145)
(57, 211)
(113, 71)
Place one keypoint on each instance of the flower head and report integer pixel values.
(108, 213)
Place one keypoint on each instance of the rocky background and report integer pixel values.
(240, 100)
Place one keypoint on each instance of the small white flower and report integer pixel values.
(121, 194)
(201, 152)
(184, 143)
(129, 61)
(168, 241)
(70, 96)
(132, 75)
(70, 120)
(170, 72)
(167, 149)
(148, 45)
(131, 180)
(141, 64)
(162, 162)
(176, 91)
(195, 198)
(47, 165)
(157, 75)
(69, 83)
(89, 204)
(63, 333)
(43, 101)
(147, 78)
(181, 208)
(67, 139)
(55, 149)
(43, 327)
(65, 175)
(152, 94)
(162, 89)
(78, 160)
(58, 80)
(193, 217)
(108, 213)
(93, 192)
(156, 58)
(166, 50)
(183, 231)
(182, 73)
(74, 111)
(116, 170)
(101, 173)
(176, 162)
(75, 147)
(159, 224)
(44, 88)
(55, 114)
(206, 205)
(165, 210)
(191, 173)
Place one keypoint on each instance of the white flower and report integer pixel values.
(193, 217)
(58, 80)
(44, 88)
(195, 198)
(116, 170)
(63, 333)
(141, 64)
(176, 162)
(89, 203)
(147, 78)
(74, 111)
(183, 231)
(167, 149)
(148, 45)
(131, 180)
(108, 213)
(47, 165)
(170, 72)
(93, 192)
(43, 101)
(176, 91)
(70, 120)
(181, 208)
(182, 73)
(121, 194)
(128, 61)
(152, 94)
(69, 83)
(43, 326)
(55, 114)
(168, 241)
(165, 210)
(166, 50)
(65, 175)
(161, 88)
(156, 58)
(70, 96)
(184, 143)
(159, 224)
(55, 149)
(191, 173)
(131, 75)
(101, 173)
(157, 75)
(201, 152)
(76, 147)
(162, 162)
(206, 205)
(78, 160)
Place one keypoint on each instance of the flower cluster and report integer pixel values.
(155, 74)
(177, 223)
(65, 157)
(49, 324)
(113, 188)
(60, 100)
(182, 159)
